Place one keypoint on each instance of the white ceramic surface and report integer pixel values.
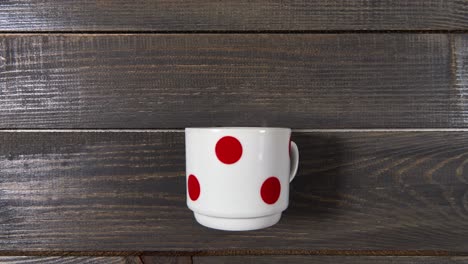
(238, 178)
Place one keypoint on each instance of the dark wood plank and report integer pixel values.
(166, 260)
(126, 192)
(327, 259)
(148, 15)
(70, 260)
(175, 81)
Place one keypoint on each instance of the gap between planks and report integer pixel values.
(245, 252)
(182, 130)
(232, 32)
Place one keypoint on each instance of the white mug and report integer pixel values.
(238, 177)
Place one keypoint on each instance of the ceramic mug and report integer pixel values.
(238, 177)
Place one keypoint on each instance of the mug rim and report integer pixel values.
(239, 128)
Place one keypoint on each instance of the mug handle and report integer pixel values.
(294, 160)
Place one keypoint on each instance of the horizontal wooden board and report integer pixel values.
(111, 192)
(70, 260)
(175, 81)
(208, 15)
(328, 259)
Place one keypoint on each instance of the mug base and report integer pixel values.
(237, 224)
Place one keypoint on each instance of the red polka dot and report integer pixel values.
(270, 191)
(228, 150)
(193, 187)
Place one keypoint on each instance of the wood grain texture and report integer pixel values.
(175, 81)
(69, 260)
(112, 192)
(460, 64)
(166, 260)
(328, 259)
(147, 15)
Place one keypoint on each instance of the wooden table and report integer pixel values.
(94, 96)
